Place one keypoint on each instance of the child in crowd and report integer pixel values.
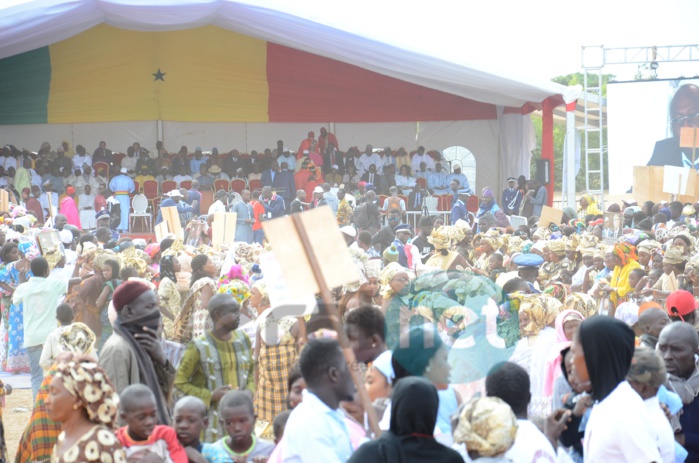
(54, 345)
(190, 418)
(141, 435)
(237, 416)
(279, 424)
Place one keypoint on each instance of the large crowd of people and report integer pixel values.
(475, 340)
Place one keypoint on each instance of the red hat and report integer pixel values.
(70, 190)
(680, 303)
(128, 292)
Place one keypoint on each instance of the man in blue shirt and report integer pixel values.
(121, 186)
(174, 198)
(437, 180)
(195, 164)
(403, 234)
(316, 431)
(274, 204)
(194, 197)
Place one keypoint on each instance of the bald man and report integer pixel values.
(684, 112)
(678, 344)
(651, 322)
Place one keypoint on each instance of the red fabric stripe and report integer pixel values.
(547, 142)
(309, 88)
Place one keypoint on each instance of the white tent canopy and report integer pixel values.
(33, 24)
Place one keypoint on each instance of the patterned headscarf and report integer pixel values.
(692, 267)
(582, 303)
(542, 310)
(442, 237)
(84, 379)
(674, 255)
(557, 247)
(78, 340)
(387, 274)
(626, 252)
(487, 425)
(648, 246)
(557, 290)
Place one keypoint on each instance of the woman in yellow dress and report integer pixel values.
(625, 260)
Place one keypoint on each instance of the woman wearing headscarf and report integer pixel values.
(588, 207)
(364, 291)
(443, 257)
(421, 352)
(13, 271)
(490, 242)
(537, 312)
(567, 323)
(168, 295)
(488, 428)
(619, 428)
(395, 291)
(488, 203)
(84, 401)
(84, 299)
(39, 437)
(194, 319)
(410, 438)
(624, 259)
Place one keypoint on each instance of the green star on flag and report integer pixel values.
(159, 75)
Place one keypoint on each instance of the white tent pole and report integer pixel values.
(570, 155)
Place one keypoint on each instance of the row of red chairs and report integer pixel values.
(443, 202)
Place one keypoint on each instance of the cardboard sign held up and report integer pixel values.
(676, 180)
(689, 137)
(223, 228)
(161, 231)
(326, 239)
(4, 201)
(550, 215)
(172, 217)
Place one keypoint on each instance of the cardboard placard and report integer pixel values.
(223, 229)
(161, 231)
(517, 221)
(648, 183)
(172, 217)
(336, 264)
(4, 201)
(676, 180)
(49, 240)
(550, 215)
(689, 137)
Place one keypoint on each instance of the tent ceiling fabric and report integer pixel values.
(34, 24)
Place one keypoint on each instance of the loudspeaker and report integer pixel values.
(543, 171)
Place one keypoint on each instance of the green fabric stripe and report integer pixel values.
(25, 80)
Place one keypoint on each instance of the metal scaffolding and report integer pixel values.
(594, 58)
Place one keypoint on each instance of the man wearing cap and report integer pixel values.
(133, 354)
(144, 161)
(318, 198)
(88, 178)
(681, 306)
(143, 176)
(403, 234)
(527, 269)
(69, 209)
(197, 161)
(164, 175)
(459, 177)
(218, 174)
(103, 219)
(511, 197)
(44, 200)
(121, 186)
(174, 198)
(288, 159)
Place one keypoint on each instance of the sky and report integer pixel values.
(534, 38)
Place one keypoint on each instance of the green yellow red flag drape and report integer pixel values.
(206, 74)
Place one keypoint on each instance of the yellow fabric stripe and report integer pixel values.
(210, 74)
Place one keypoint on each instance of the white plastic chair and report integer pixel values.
(139, 204)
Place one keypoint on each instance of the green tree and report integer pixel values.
(559, 133)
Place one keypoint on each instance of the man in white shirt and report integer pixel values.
(510, 382)
(220, 204)
(179, 178)
(81, 157)
(420, 157)
(646, 375)
(368, 158)
(316, 431)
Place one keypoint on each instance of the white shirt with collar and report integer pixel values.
(620, 429)
(666, 437)
(315, 433)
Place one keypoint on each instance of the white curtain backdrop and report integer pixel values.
(517, 140)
